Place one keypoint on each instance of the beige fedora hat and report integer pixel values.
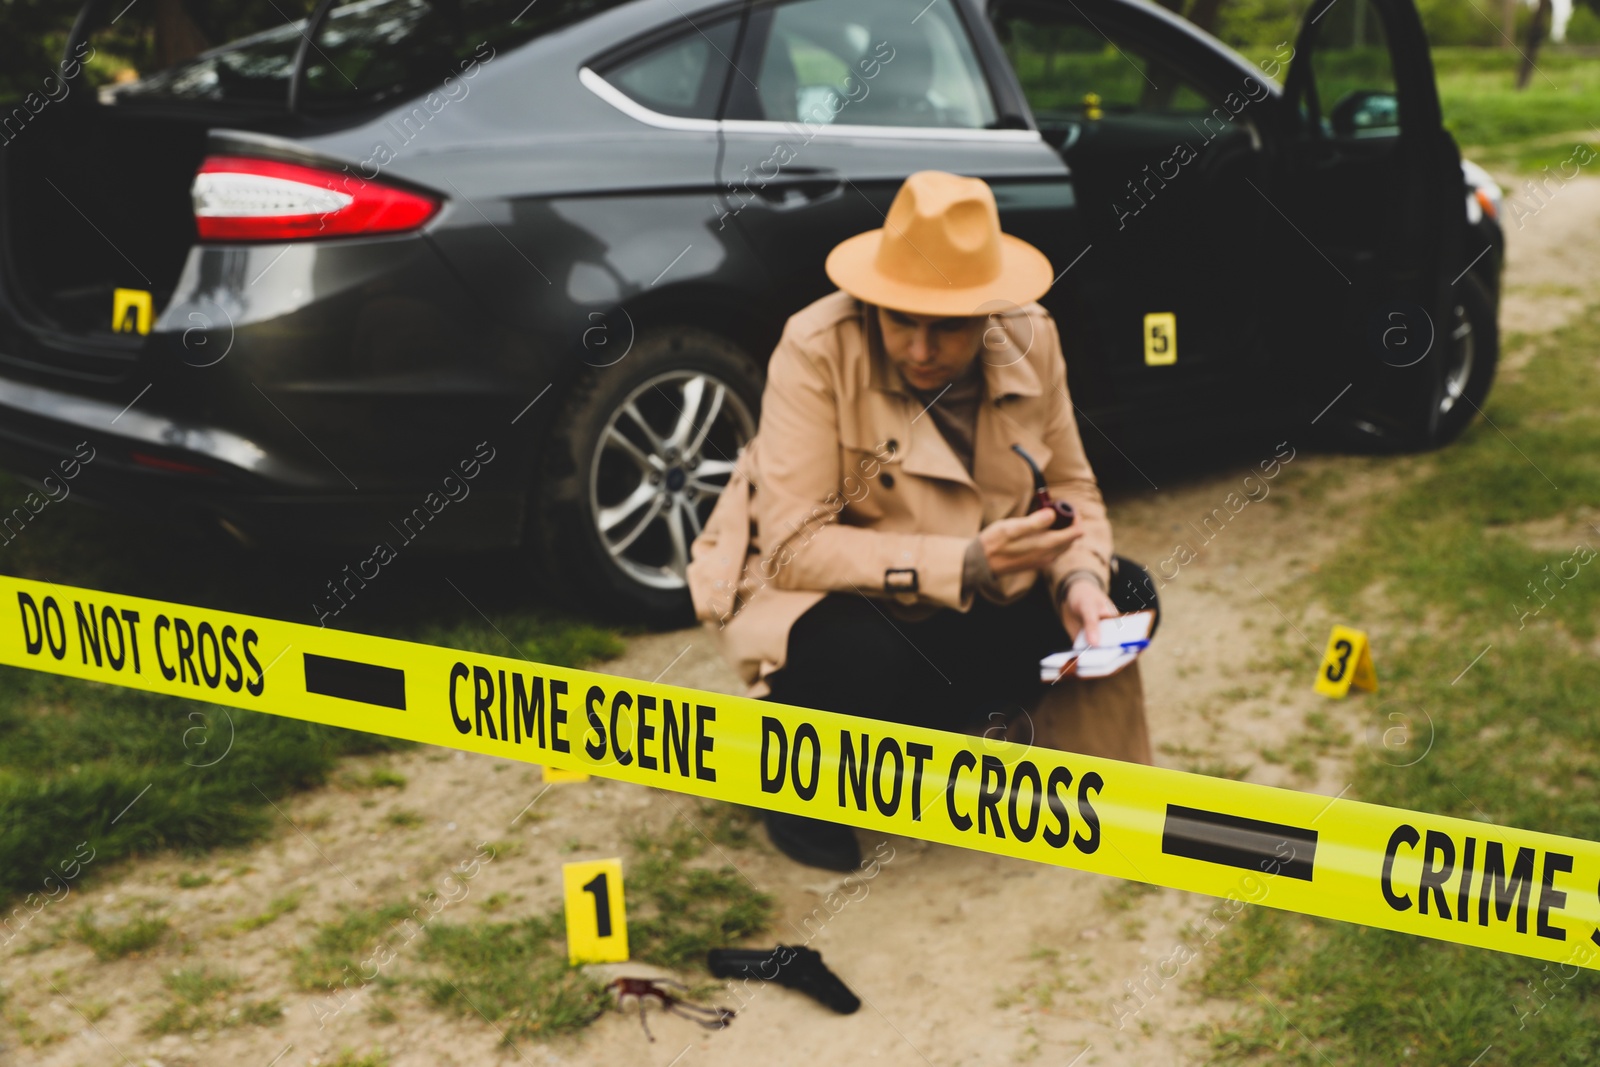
(940, 252)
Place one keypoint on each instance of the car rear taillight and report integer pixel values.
(237, 198)
(1486, 202)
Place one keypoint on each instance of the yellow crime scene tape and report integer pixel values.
(1473, 883)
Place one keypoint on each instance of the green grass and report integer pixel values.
(678, 911)
(1515, 741)
(338, 950)
(195, 993)
(279, 907)
(349, 1058)
(128, 773)
(377, 778)
(515, 973)
(1492, 119)
(113, 941)
(1482, 106)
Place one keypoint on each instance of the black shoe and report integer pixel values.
(814, 842)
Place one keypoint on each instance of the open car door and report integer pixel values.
(1371, 181)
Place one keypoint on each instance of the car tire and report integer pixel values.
(1470, 356)
(626, 480)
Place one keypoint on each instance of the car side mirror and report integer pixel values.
(1364, 112)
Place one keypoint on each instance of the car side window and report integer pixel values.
(1069, 68)
(683, 77)
(1352, 73)
(849, 62)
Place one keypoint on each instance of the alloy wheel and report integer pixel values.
(664, 457)
(1458, 361)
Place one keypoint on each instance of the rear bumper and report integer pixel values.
(200, 476)
(310, 394)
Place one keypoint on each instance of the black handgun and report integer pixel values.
(793, 966)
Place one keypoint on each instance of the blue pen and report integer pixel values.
(1143, 642)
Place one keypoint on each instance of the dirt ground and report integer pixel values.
(959, 957)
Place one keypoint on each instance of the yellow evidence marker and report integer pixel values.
(130, 311)
(1160, 339)
(1347, 662)
(597, 926)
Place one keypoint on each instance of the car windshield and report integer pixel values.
(363, 52)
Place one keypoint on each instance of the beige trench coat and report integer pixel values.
(847, 480)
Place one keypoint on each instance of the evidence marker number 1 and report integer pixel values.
(597, 922)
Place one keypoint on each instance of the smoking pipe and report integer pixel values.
(1065, 516)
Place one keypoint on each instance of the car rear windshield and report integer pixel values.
(361, 53)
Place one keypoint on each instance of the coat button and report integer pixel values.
(888, 480)
(892, 445)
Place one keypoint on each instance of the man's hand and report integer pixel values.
(1084, 607)
(1026, 542)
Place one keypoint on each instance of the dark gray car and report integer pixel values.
(476, 275)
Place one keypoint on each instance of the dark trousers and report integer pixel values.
(952, 671)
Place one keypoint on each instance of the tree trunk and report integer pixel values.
(1508, 21)
(1530, 50)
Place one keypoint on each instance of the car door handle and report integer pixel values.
(800, 187)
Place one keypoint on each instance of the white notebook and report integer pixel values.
(1108, 657)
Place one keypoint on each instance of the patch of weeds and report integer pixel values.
(406, 820)
(1220, 769)
(514, 974)
(1320, 739)
(1123, 895)
(679, 911)
(31, 1033)
(192, 989)
(120, 742)
(339, 949)
(729, 825)
(56, 935)
(376, 778)
(114, 941)
(255, 1013)
(198, 994)
(276, 910)
(382, 1013)
(1039, 991)
(197, 985)
(1324, 735)
(188, 880)
(494, 902)
(349, 1058)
